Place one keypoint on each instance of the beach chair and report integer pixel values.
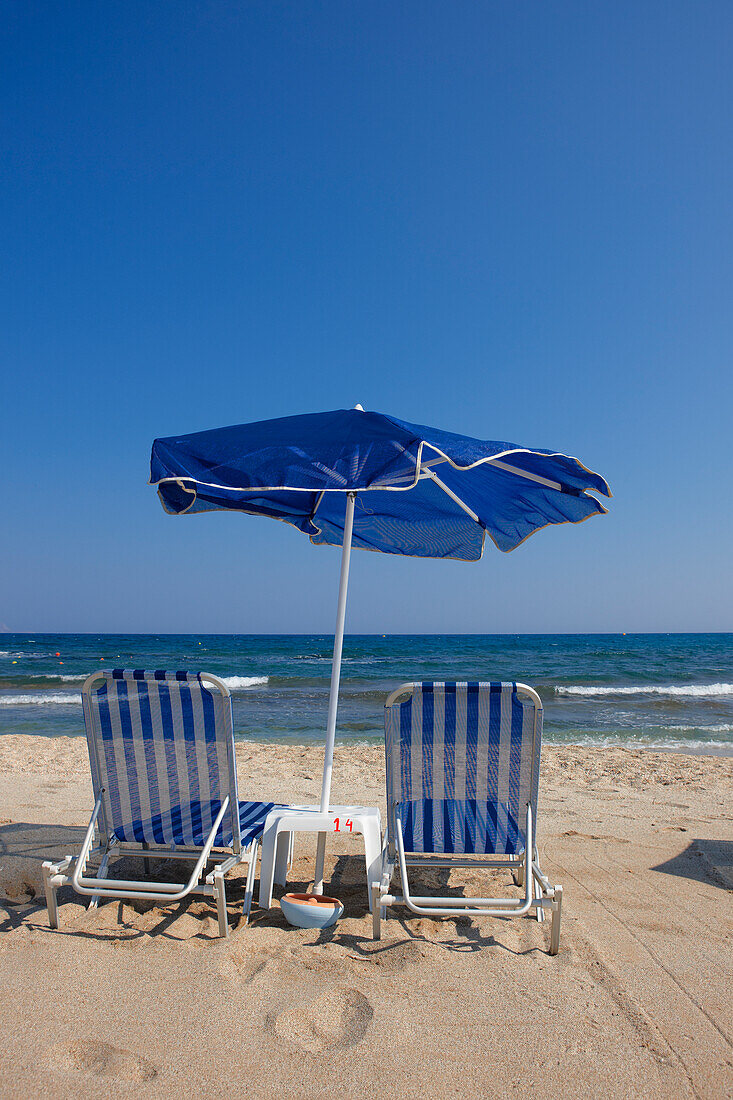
(161, 750)
(462, 775)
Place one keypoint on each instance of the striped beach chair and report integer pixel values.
(161, 750)
(462, 777)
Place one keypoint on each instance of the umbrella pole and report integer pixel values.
(338, 641)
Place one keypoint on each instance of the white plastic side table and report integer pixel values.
(282, 822)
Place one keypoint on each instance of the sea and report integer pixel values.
(654, 691)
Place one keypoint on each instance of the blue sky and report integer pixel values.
(508, 220)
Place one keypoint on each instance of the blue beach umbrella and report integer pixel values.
(353, 478)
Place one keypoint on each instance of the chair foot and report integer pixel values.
(376, 911)
(539, 911)
(555, 924)
(101, 873)
(50, 891)
(250, 881)
(221, 904)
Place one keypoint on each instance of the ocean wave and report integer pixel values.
(649, 743)
(72, 679)
(39, 700)
(690, 690)
(725, 727)
(234, 683)
(17, 654)
(238, 683)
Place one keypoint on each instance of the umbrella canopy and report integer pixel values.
(420, 491)
(363, 478)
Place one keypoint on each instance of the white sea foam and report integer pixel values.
(37, 699)
(234, 683)
(238, 683)
(17, 654)
(690, 690)
(650, 743)
(53, 676)
(725, 727)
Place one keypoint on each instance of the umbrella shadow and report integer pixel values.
(703, 860)
(347, 883)
(25, 846)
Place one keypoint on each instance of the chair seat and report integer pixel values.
(189, 824)
(451, 826)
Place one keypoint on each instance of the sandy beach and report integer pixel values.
(148, 1001)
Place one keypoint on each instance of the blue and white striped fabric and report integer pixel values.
(462, 763)
(161, 747)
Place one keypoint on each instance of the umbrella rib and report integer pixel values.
(449, 492)
(421, 470)
(525, 474)
(317, 504)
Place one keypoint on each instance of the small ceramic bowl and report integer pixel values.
(311, 910)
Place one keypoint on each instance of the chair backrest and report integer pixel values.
(161, 748)
(462, 764)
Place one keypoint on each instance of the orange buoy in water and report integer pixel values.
(58, 654)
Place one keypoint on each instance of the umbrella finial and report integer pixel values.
(359, 407)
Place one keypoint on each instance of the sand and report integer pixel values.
(137, 1000)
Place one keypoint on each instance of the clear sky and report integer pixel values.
(510, 220)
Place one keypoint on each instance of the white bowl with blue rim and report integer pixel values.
(311, 910)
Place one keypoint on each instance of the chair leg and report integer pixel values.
(250, 881)
(221, 903)
(268, 843)
(555, 924)
(372, 835)
(282, 857)
(101, 873)
(376, 899)
(540, 912)
(536, 888)
(50, 890)
(518, 875)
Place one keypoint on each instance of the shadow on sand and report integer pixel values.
(24, 847)
(400, 927)
(704, 861)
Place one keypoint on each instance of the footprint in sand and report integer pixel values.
(433, 931)
(244, 969)
(19, 891)
(335, 1020)
(394, 958)
(103, 1060)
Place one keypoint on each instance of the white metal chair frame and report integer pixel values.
(108, 848)
(539, 893)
